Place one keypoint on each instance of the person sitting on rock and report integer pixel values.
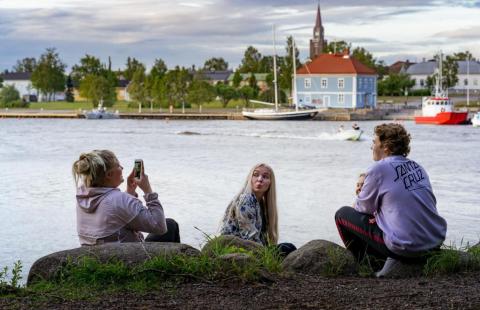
(106, 214)
(397, 193)
(252, 214)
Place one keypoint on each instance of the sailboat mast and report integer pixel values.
(294, 81)
(275, 70)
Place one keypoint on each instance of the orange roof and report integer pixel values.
(335, 64)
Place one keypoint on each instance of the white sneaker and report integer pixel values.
(391, 267)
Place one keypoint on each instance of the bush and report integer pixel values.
(8, 94)
(420, 92)
(15, 104)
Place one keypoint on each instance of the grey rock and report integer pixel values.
(321, 257)
(131, 254)
(211, 248)
(237, 259)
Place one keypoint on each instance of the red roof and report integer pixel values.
(335, 64)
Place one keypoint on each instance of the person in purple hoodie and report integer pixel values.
(106, 214)
(394, 217)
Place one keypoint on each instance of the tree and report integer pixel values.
(176, 85)
(226, 93)
(215, 64)
(132, 67)
(336, 47)
(286, 70)
(159, 69)
(88, 65)
(365, 57)
(94, 87)
(27, 64)
(237, 79)
(8, 94)
(246, 93)
(251, 60)
(449, 73)
(200, 92)
(49, 75)
(463, 56)
(1, 82)
(69, 97)
(395, 84)
(252, 82)
(137, 88)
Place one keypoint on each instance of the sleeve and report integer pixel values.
(151, 219)
(247, 220)
(368, 201)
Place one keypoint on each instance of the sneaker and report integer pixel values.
(391, 267)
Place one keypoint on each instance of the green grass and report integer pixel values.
(452, 259)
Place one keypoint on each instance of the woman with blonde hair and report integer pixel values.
(106, 214)
(252, 214)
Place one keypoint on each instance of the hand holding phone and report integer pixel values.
(140, 177)
(138, 168)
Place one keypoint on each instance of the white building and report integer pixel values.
(468, 75)
(21, 82)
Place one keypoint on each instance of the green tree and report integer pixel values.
(1, 82)
(159, 69)
(88, 65)
(94, 88)
(226, 93)
(69, 97)
(8, 94)
(251, 60)
(176, 86)
(269, 96)
(137, 89)
(27, 64)
(364, 56)
(200, 92)
(49, 75)
(464, 56)
(237, 79)
(215, 64)
(336, 47)
(395, 84)
(286, 70)
(449, 73)
(132, 67)
(252, 82)
(246, 93)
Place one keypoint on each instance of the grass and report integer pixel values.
(452, 259)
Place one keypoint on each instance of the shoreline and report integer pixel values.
(329, 115)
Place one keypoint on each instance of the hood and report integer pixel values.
(89, 198)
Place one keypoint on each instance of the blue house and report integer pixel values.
(336, 81)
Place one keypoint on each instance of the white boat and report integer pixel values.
(100, 113)
(284, 114)
(349, 134)
(476, 120)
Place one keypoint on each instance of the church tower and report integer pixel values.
(318, 42)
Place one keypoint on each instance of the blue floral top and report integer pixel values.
(245, 220)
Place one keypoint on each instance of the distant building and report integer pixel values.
(336, 81)
(400, 66)
(21, 82)
(317, 43)
(215, 76)
(419, 72)
(260, 77)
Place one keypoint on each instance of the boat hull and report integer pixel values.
(443, 118)
(270, 116)
(103, 115)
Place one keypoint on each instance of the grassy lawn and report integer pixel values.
(398, 99)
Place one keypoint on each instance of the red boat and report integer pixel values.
(438, 109)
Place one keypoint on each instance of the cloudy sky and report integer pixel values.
(187, 32)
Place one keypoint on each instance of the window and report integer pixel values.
(475, 82)
(465, 82)
(341, 83)
(307, 83)
(341, 98)
(308, 99)
(324, 83)
(422, 82)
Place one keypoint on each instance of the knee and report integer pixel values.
(344, 212)
(171, 224)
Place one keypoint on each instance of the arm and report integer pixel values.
(151, 219)
(368, 200)
(247, 219)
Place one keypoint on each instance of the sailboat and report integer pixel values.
(276, 113)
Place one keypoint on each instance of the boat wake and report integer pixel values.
(323, 136)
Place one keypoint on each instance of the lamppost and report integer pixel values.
(468, 80)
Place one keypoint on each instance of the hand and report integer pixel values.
(143, 182)
(132, 184)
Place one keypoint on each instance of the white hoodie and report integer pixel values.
(109, 215)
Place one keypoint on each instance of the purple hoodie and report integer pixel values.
(398, 193)
(110, 215)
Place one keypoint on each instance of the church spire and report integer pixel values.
(317, 43)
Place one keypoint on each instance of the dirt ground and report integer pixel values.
(459, 291)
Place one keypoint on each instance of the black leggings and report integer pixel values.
(172, 234)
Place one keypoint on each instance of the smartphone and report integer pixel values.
(138, 167)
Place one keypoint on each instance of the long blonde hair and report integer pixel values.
(269, 203)
(91, 167)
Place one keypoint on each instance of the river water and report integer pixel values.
(196, 175)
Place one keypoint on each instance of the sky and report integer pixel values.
(188, 32)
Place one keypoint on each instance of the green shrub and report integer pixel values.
(8, 94)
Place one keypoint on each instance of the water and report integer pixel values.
(196, 175)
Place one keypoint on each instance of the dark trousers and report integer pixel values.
(172, 234)
(285, 248)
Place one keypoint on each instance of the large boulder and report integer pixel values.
(131, 254)
(218, 245)
(321, 257)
